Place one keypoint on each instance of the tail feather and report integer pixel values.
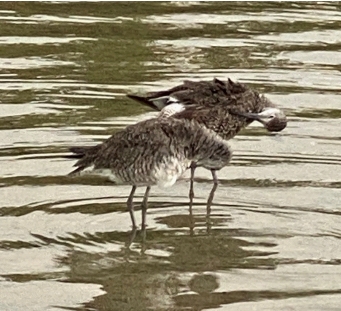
(73, 156)
(85, 156)
(81, 151)
(77, 152)
(77, 170)
(143, 100)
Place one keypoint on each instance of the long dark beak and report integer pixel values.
(250, 115)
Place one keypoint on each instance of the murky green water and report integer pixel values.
(274, 243)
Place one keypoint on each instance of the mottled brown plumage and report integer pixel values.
(225, 107)
(155, 151)
(201, 93)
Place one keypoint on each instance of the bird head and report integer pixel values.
(273, 119)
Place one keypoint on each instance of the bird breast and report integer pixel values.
(167, 173)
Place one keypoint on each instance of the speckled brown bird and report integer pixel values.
(153, 152)
(224, 107)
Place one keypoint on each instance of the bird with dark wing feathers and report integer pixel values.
(231, 105)
(154, 152)
(224, 107)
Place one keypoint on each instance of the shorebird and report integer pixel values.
(153, 152)
(224, 107)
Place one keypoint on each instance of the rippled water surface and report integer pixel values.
(274, 239)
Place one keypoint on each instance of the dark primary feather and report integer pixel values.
(142, 100)
(78, 152)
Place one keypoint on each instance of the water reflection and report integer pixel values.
(153, 277)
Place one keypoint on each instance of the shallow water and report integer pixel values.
(274, 239)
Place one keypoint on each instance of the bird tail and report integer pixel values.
(143, 100)
(77, 152)
(85, 156)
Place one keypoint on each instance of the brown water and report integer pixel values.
(274, 243)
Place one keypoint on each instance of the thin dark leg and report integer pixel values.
(210, 198)
(130, 240)
(144, 207)
(130, 206)
(191, 196)
(191, 190)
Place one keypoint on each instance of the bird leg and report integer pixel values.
(211, 196)
(191, 195)
(144, 207)
(130, 240)
(191, 190)
(130, 206)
